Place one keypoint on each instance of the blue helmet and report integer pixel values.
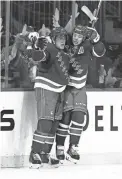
(58, 31)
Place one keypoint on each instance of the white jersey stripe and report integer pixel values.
(97, 54)
(74, 134)
(47, 87)
(47, 80)
(76, 128)
(77, 78)
(42, 142)
(64, 125)
(65, 130)
(38, 141)
(77, 124)
(42, 136)
(77, 82)
(78, 86)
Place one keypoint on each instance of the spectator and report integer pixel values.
(18, 62)
(113, 50)
(114, 76)
(12, 53)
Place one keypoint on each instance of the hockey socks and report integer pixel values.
(75, 131)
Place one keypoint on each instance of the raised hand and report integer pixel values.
(69, 27)
(24, 30)
(42, 43)
(56, 18)
(93, 35)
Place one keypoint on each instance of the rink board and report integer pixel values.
(96, 146)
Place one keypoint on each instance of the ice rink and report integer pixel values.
(65, 172)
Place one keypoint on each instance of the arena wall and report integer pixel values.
(101, 142)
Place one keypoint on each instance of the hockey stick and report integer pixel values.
(97, 12)
(92, 16)
(87, 11)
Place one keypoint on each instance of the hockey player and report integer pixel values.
(50, 82)
(75, 99)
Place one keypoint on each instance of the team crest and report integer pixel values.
(81, 50)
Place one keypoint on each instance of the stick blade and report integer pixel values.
(87, 11)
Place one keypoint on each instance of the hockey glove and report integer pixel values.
(42, 43)
(92, 35)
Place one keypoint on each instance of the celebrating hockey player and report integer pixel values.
(75, 98)
(50, 82)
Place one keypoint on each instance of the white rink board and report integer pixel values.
(96, 147)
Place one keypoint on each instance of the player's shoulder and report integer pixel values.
(87, 45)
(51, 48)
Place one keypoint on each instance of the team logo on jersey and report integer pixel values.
(58, 55)
(79, 71)
(81, 50)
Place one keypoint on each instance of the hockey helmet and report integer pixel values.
(79, 29)
(58, 31)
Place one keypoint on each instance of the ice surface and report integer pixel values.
(65, 172)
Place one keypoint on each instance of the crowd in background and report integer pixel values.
(106, 71)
